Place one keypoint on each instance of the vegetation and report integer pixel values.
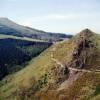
(15, 54)
(37, 80)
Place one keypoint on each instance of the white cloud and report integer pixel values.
(54, 17)
(51, 17)
(11, 0)
(59, 22)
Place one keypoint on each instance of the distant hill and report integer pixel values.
(9, 27)
(68, 70)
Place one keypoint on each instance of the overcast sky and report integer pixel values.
(67, 16)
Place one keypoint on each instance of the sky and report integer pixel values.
(64, 16)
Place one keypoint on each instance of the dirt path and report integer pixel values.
(74, 69)
(74, 74)
(72, 77)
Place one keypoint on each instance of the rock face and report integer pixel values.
(59, 74)
(84, 50)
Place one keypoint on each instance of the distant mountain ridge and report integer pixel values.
(9, 27)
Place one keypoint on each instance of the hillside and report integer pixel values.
(68, 70)
(9, 27)
(16, 52)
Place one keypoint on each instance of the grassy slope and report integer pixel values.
(37, 67)
(86, 87)
(41, 65)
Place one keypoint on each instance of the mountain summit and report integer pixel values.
(86, 32)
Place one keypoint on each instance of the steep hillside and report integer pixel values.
(15, 53)
(68, 70)
(9, 27)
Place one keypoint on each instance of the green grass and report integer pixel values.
(97, 91)
(36, 68)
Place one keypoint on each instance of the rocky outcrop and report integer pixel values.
(83, 51)
(59, 74)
